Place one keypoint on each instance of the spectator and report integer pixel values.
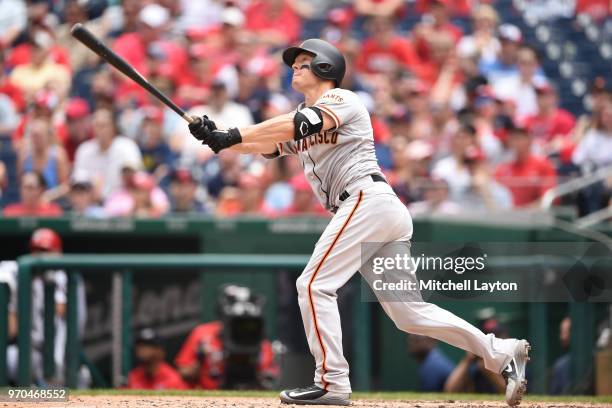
(200, 15)
(435, 200)
(42, 153)
(411, 168)
(551, 126)
(102, 90)
(438, 23)
(519, 89)
(412, 96)
(486, 111)
(441, 52)
(601, 97)
(470, 375)
(385, 51)
(338, 28)
(527, 176)
(41, 72)
(560, 381)
(228, 35)
(458, 7)
(595, 151)
(78, 125)
(384, 8)
(275, 22)
(143, 192)
(223, 110)
(138, 196)
(151, 371)
(104, 155)
(226, 170)
(133, 46)
(482, 43)
(434, 366)
(505, 64)
(9, 89)
(251, 189)
(32, 204)
(303, 201)
(229, 202)
(81, 198)
(45, 105)
(8, 116)
(75, 11)
(184, 193)
(14, 20)
(467, 174)
(595, 148)
(157, 156)
(597, 9)
(193, 86)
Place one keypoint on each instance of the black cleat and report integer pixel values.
(314, 395)
(514, 374)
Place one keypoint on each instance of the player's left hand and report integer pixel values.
(218, 140)
(201, 127)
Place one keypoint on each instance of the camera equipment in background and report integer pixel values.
(240, 310)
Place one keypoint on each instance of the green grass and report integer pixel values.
(413, 396)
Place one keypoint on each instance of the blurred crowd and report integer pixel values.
(464, 116)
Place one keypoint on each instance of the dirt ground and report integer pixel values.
(135, 401)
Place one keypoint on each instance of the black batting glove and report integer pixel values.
(222, 139)
(201, 128)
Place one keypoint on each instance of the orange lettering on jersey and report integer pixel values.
(332, 97)
(328, 137)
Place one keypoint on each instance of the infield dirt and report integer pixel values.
(135, 401)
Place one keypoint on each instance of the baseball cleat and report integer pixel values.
(314, 395)
(514, 374)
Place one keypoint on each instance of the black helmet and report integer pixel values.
(328, 61)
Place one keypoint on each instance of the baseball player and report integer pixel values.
(332, 135)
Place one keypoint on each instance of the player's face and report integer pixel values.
(303, 78)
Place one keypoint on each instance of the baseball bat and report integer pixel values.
(85, 36)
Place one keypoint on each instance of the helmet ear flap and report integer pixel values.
(324, 67)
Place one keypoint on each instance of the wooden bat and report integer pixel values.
(85, 36)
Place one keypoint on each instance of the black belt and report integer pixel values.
(375, 177)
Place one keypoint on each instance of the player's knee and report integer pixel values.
(321, 290)
(306, 287)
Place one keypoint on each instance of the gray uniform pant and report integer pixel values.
(373, 213)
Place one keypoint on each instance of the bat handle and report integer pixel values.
(189, 119)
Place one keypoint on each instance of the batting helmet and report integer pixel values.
(328, 61)
(45, 239)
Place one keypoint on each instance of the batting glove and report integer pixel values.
(222, 139)
(202, 127)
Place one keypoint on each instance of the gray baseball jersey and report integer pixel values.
(335, 158)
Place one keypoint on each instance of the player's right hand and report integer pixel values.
(201, 128)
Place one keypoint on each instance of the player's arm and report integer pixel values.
(286, 127)
(263, 137)
(255, 148)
